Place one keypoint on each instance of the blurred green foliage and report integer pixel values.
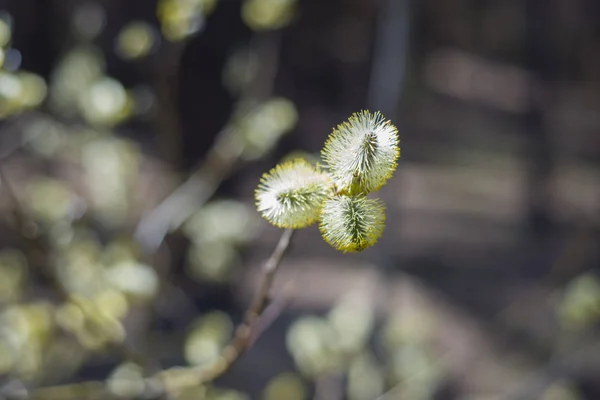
(580, 305)
(87, 193)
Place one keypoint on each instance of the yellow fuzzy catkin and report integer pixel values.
(291, 194)
(362, 153)
(352, 223)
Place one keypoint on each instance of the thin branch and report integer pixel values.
(271, 313)
(192, 194)
(219, 163)
(176, 379)
(244, 332)
(25, 225)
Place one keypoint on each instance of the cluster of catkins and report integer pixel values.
(359, 157)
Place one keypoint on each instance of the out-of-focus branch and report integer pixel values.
(25, 225)
(272, 311)
(193, 193)
(244, 334)
(218, 164)
(176, 379)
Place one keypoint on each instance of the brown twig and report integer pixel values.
(176, 379)
(243, 337)
(271, 313)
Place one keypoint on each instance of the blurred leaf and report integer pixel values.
(222, 221)
(226, 394)
(80, 268)
(208, 335)
(411, 326)
(365, 378)
(127, 380)
(268, 14)
(7, 357)
(137, 280)
(97, 329)
(120, 249)
(5, 28)
(580, 306)
(193, 393)
(136, 39)
(264, 126)
(180, 19)
(70, 317)
(51, 200)
(416, 371)
(44, 136)
(241, 70)
(287, 386)
(33, 90)
(561, 390)
(111, 303)
(26, 329)
(352, 319)
(211, 261)
(311, 342)
(13, 270)
(112, 170)
(89, 19)
(105, 102)
(11, 90)
(72, 77)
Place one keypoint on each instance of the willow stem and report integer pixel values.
(177, 379)
(244, 332)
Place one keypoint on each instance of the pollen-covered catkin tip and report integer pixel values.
(352, 223)
(362, 153)
(291, 194)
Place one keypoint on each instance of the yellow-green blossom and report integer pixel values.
(291, 194)
(362, 153)
(352, 223)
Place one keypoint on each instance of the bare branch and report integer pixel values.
(244, 332)
(176, 379)
(218, 164)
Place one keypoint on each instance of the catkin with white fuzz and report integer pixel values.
(291, 194)
(362, 153)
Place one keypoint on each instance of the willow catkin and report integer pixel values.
(352, 223)
(291, 194)
(362, 153)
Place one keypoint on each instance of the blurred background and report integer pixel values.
(133, 134)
